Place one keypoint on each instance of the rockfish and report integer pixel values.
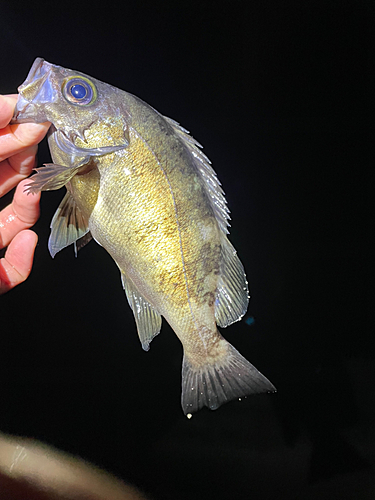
(140, 186)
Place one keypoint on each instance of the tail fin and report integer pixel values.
(212, 384)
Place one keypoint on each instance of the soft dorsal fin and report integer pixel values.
(147, 319)
(233, 295)
(67, 226)
(207, 173)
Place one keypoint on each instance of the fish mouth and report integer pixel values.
(21, 106)
(37, 76)
(28, 91)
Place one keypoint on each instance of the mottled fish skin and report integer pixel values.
(140, 186)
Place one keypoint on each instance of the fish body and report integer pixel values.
(139, 185)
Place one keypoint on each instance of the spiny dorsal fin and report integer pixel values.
(67, 226)
(208, 174)
(147, 319)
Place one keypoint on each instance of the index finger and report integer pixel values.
(7, 104)
(18, 145)
(17, 137)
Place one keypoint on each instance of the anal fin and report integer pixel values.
(147, 319)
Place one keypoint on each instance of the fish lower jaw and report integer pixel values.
(24, 112)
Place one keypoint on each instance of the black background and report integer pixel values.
(278, 93)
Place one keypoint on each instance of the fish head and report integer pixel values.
(73, 102)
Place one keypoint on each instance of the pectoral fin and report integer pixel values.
(50, 177)
(233, 295)
(148, 320)
(68, 225)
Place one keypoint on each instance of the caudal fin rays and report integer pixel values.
(214, 384)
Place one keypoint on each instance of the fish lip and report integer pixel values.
(37, 65)
(37, 75)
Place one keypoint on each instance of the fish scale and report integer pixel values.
(140, 186)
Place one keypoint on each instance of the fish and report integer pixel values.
(139, 184)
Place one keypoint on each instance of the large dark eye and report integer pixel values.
(79, 90)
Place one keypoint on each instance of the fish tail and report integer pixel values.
(226, 377)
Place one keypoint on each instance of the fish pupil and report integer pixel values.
(78, 91)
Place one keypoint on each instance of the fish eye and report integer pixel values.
(79, 90)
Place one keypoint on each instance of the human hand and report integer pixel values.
(18, 147)
(35, 471)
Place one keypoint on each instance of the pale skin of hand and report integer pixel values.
(18, 147)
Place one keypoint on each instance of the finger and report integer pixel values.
(16, 265)
(21, 214)
(17, 137)
(7, 104)
(18, 145)
(16, 168)
(35, 470)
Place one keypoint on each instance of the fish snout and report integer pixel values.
(35, 89)
(35, 80)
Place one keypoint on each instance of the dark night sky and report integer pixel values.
(278, 94)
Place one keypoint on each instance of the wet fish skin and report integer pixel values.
(141, 187)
